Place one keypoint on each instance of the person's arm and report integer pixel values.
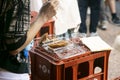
(47, 12)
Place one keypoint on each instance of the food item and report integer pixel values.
(58, 44)
(43, 38)
(49, 39)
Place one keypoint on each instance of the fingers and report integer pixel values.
(49, 9)
(54, 3)
(51, 5)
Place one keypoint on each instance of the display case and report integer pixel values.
(78, 63)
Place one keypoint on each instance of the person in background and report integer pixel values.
(115, 19)
(103, 16)
(16, 33)
(94, 16)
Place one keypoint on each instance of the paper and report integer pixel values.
(96, 44)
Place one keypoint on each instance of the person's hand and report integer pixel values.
(48, 10)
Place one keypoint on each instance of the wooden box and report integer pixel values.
(48, 27)
(48, 66)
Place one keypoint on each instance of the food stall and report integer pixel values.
(70, 59)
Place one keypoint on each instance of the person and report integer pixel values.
(115, 19)
(94, 16)
(103, 20)
(103, 15)
(16, 33)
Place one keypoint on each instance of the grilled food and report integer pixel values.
(58, 44)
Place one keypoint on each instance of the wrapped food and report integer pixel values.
(58, 44)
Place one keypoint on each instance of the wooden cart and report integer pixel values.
(47, 66)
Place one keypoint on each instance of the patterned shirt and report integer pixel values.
(14, 21)
(14, 24)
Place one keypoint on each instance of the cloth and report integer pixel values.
(67, 16)
(35, 5)
(6, 75)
